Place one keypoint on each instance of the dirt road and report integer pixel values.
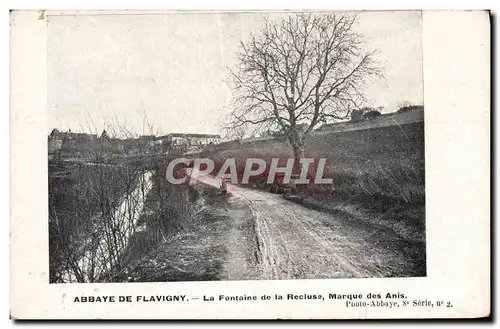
(273, 238)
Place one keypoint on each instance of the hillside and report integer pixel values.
(378, 173)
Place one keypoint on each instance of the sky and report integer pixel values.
(167, 73)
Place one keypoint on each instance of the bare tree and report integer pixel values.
(402, 104)
(306, 69)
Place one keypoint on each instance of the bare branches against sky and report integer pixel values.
(125, 65)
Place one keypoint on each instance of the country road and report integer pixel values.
(293, 242)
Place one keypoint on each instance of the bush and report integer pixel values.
(409, 108)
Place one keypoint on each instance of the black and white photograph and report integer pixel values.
(250, 164)
(238, 145)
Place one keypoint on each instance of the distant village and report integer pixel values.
(69, 144)
(65, 144)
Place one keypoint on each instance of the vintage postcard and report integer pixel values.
(250, 164)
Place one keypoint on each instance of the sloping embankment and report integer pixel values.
(191, 235)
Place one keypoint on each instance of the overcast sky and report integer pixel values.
(170, 69)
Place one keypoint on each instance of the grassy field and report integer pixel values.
(386, 161)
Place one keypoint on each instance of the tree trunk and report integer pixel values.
(296, 140)
(298, 153)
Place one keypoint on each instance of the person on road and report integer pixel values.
(223, 186)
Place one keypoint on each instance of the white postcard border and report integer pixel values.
(457, 122)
